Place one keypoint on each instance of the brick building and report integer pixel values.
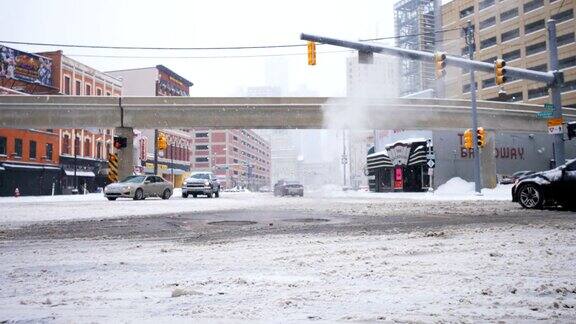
(29, 159)
(174, 161)
(513, 30)
(83, 152)
(238, 157)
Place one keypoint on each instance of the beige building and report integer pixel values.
(513, 30)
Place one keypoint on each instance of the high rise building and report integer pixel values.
(414, 22)
(514, 31)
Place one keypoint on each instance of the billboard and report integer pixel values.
(26, 67)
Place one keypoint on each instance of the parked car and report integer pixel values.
(139, 187)
(264, 189)
(516, 175)
(201, 183)
(288, 188)
(547, 188)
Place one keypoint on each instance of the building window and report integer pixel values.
(488, 83)
(201, 159)
(567, 62)
(108, 149)
(78, 88)
(98, 91)
(67, 85)
(3, 145)
(534, 26)
(511, 34)
(99, 150)
(533, 5)
(565, 39)
(485, 4)
(517, 96)
(488, 23)
(535, 48)
(77, 145)
(66, 145)
(467, 12)
(466, 87)
(506, 15)
(536, 93)
(88, 90)
(18, 147)
(201, 147)
(488, 42)
(563, 16)
(204, 134)
(569, 86)
(32, 152)
(87, 147)
(540, 68)
(108, 93)
(49, 151)
(511, 56)
(490, 60)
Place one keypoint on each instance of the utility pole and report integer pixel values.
(155, 152)
(555, 91)
(344, 157)
(470, 43)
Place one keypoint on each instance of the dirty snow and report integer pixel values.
(472, 274)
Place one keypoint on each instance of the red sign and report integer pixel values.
(398, 178)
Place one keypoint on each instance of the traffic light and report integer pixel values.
(571, 130)
(500, 71)
(468, 140)
(162, 142)
(440, 64)
(481, 135)
(120, 142)
(311, 53)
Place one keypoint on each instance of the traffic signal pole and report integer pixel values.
(553, 79)
(555, 91)
(470, 43)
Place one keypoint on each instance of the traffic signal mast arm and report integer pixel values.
(546, 77)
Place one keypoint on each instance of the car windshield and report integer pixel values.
(200, 176)
(133, 179)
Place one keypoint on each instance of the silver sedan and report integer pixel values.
(139, 187)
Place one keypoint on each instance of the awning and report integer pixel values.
(80, 173)
(30, 167)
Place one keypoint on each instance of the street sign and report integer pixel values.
(431, 171)
(555, 122)
(548, 106)
(431, 164)
(544, 114)
(553, 130)
(430, 156)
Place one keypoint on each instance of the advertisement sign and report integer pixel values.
(25, 67)
(166, 88)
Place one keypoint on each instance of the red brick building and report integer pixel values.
(83, 152)
(29, 158)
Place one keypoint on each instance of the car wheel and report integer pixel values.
(217, 193)
(194, 195)
(209, 195)
(111, 198)
(166, 194)
(530, 196)
(184, 195)
(139, 194)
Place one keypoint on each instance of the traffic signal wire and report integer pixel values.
(205, 48)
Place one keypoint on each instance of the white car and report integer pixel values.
(139, 187)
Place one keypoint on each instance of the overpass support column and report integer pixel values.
(126, 154)
(488, 161)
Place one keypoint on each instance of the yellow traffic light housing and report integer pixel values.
(440, 64)
(500, 71)
(481, 135)
(311, 53)
(468, 139)
(162, 142)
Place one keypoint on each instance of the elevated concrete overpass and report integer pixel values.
(287, 112)
(126, 113)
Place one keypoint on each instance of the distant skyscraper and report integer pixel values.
(414, 28)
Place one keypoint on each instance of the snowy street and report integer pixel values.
(252, 257)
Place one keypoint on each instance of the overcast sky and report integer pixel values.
(180, 23)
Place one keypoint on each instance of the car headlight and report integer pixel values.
(206, 183)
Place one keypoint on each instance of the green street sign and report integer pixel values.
(544, 114)
(549, 106)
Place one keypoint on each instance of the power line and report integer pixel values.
(203, 48)
(202, 57)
